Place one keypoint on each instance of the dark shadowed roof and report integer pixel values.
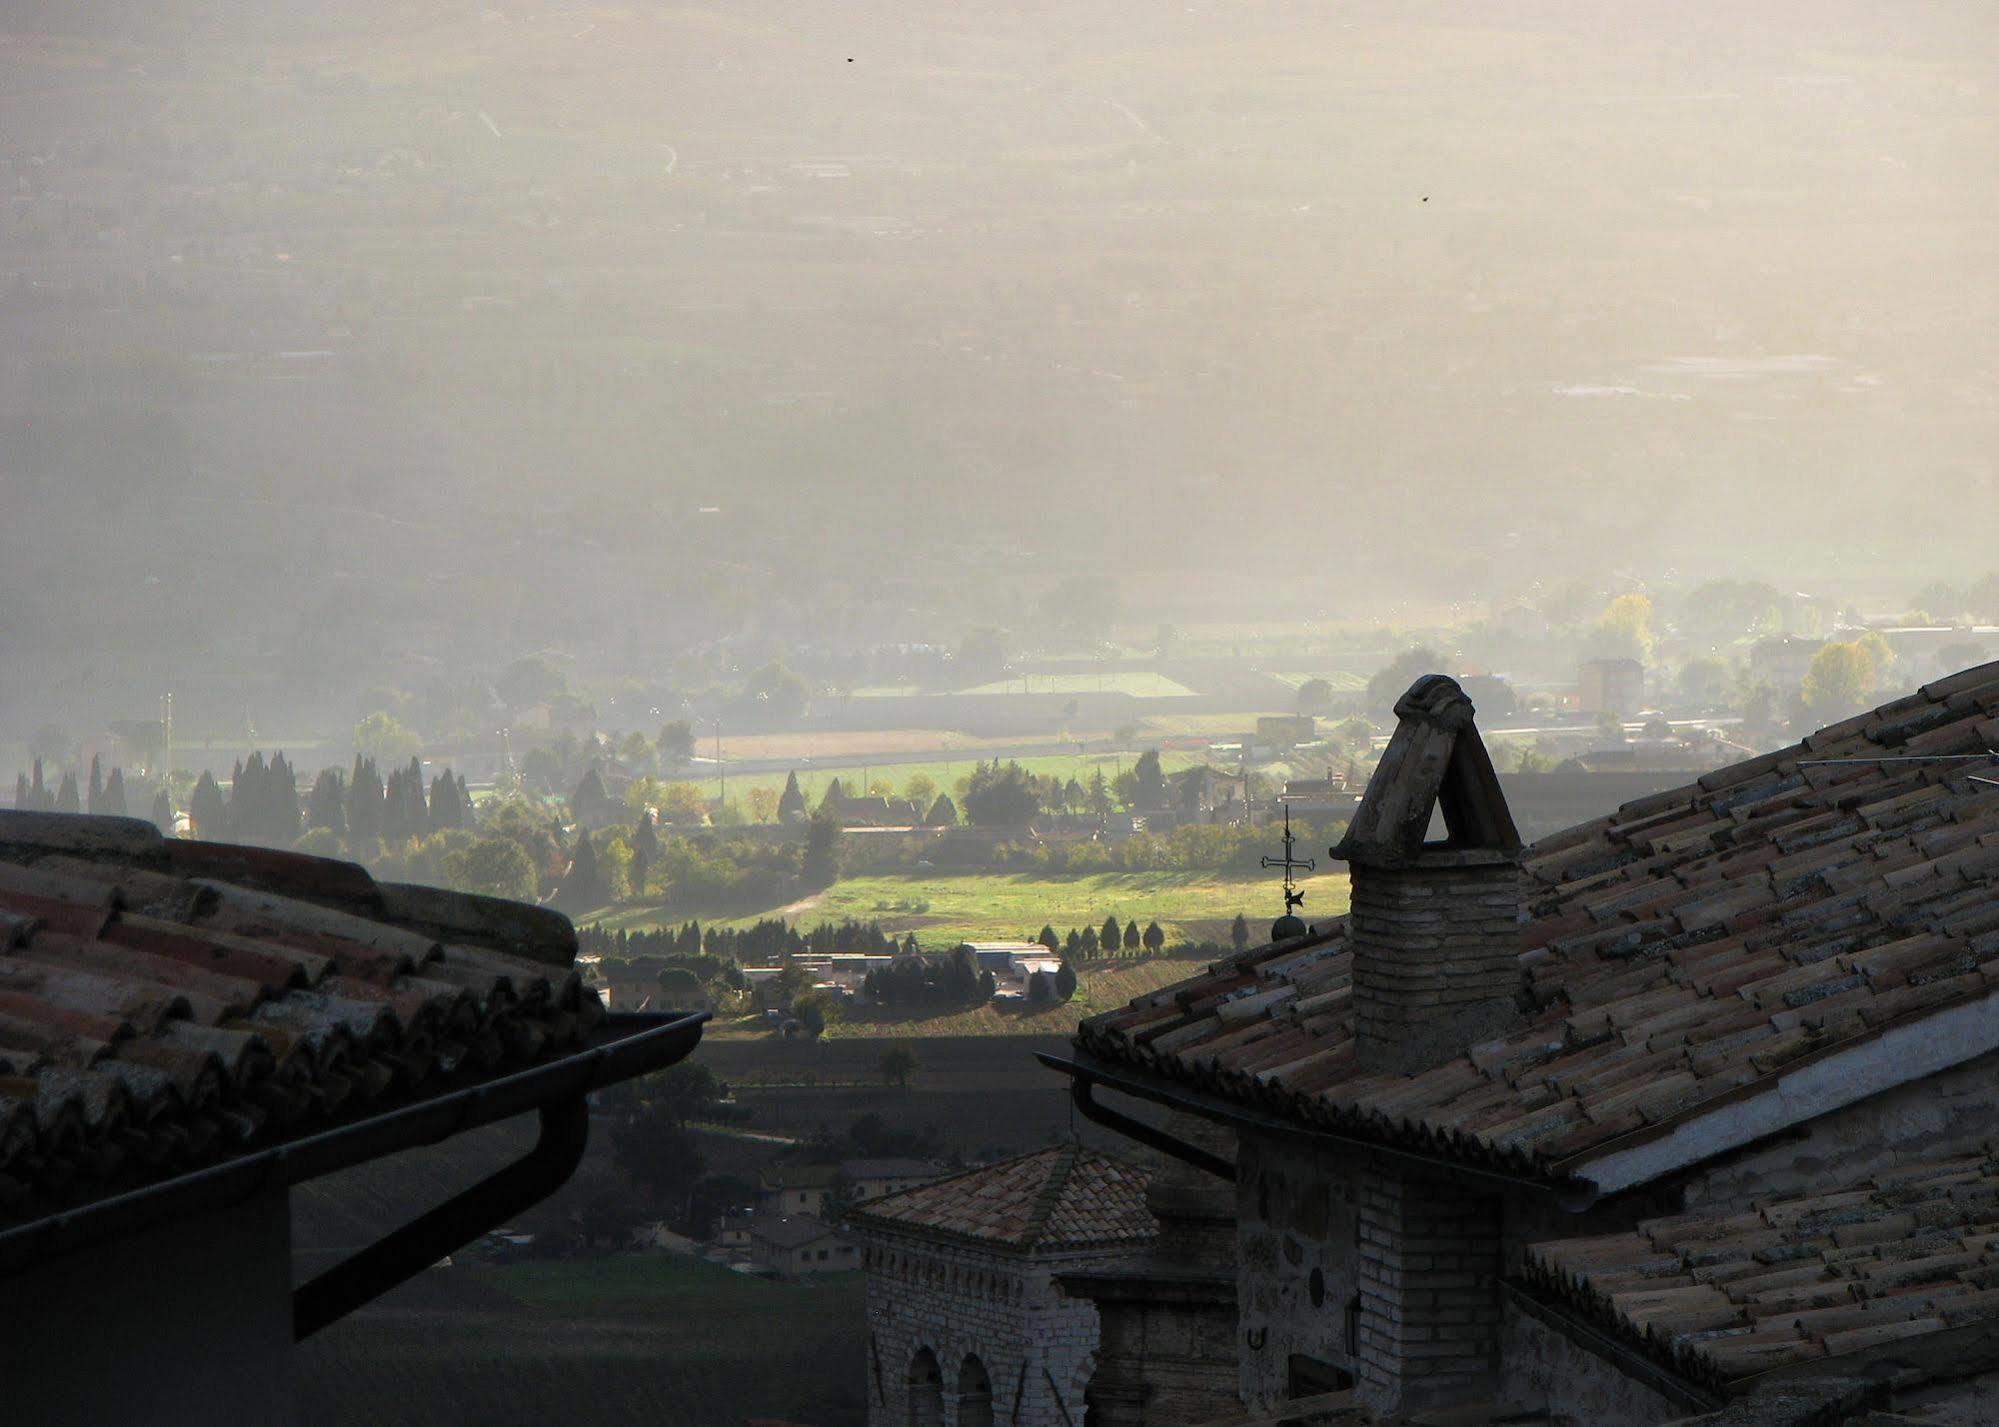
(1822, 1281)
(790, 1231)
(1062, 1198)
(1816, 917)
(168, 1004)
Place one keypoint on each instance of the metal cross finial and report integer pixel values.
(1292, 896)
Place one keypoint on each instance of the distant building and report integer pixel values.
(1781, 660)
(877, 811)
(798, 1244)
(1004, 958)
(1327, 797)
(1610, 686)
(1286, 730)
(806, 1188)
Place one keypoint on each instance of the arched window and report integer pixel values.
(975, 1394)
(926, 1390)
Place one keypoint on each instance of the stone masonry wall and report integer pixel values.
(1298, 1263)
(1036, 1343)
(1436, 960)
(1543, 1370)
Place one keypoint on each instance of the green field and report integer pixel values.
(1139, 683)
(943, 771)
(946, 908)
(643, 1337)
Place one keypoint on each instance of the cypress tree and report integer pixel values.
(113, 800)
(1072, 943)
(791, 804)
(445, 811)
(206, 810)
(163, 812)
(364, 800)
(1132, 936)
(584, 888)
(1112, 936)
(590, 804)
(1048, 938)
(326, 806)
(40, 791)
(281, 809)
(67, 798)
(1089, 947)
(246, 787)
(1239, 933)
(468, 816)
(23, 798)
(1155, 936)
(1065, 980)
(645, 847)
(94, 799)
(836, 792)
(943, 813)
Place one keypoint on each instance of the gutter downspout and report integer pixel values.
(403, 1254)
(1082, 1091)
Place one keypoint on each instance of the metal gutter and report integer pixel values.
(647, 1043)
(1082, 1091)
(408, 1251)
(1213, 1107)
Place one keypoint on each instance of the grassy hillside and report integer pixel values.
(945, 908)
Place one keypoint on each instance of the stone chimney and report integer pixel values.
(1435, 924)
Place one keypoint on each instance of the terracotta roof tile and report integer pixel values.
(1721, 1295)
(1710, 936)
(150, 1019)
(1066, 1198)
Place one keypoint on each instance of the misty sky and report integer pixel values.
(452, 332)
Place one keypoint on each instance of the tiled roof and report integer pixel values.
(1062, 1198)
(1685, 948)
(1801, 1280)
(889, 1168)
(165, 1004)
(789, 1231)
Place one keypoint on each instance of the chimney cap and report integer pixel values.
(1435, 759)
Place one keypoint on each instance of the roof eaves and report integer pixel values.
(1918, 1045)
(632, 1045)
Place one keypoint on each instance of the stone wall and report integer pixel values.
(1542, 1369)
(1298, 1263)
(1036, 1344)
(189, 1323)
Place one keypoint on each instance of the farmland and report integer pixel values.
(946, 908)
(944, 770)
(638, 1337)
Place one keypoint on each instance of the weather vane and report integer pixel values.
(1290, 925)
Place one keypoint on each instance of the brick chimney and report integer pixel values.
(1435, 925)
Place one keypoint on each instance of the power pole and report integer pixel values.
(721, 770)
